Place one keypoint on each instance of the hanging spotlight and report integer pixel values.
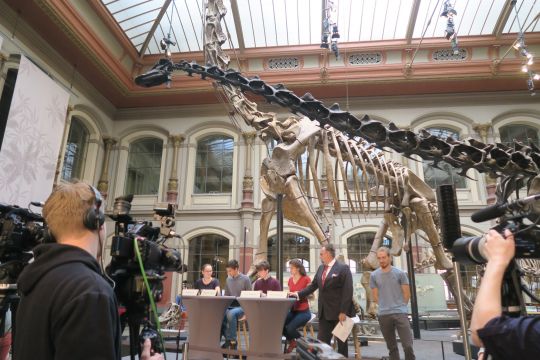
(166, 43)
(524, 68)
(530, 86)
(449, 10)
(324, 41)
(330, 29)
(519, 42)
(450, 32)
(530, 61)
(526, 53)
(536, 77)
(335, 32)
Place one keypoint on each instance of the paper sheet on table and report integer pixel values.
(343, 329)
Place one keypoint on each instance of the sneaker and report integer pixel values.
(291, 347)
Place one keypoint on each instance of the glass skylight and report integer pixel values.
(266, 23)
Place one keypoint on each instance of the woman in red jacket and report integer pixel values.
(300, 314)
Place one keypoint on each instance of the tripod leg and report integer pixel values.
(134, 327)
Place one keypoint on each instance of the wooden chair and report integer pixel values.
(241, 330)
(309, 326)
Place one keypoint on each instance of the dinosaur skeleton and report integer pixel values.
(409, 203)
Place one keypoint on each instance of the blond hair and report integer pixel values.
(66, 207)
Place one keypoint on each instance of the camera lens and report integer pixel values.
(469, 250)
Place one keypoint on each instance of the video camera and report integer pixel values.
(20, 230)
(520, 216)
(139, 245)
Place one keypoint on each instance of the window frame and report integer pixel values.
(219, 201)
(130, 152)
(83, 157)
(312, 267)
(223, 138)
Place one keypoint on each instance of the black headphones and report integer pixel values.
(94, 217)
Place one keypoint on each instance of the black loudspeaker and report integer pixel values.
(94, 216)
(449, 215)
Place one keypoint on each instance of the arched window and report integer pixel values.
(295, 246)
(358, 247)
(522, 133)
(144, 166)
(208, 249)
(75, 154)
(214, 165)
(445, 174)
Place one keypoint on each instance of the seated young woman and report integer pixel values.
(207, 281)
(299, 314)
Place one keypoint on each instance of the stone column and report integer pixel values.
(247, 183)
(172, 185)
(491, 182)
(103, 184)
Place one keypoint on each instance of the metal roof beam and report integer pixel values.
(412, 21)
(238, 25)
(154, 27)
(503, 19)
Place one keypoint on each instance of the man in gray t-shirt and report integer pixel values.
(390, 287)
(235, 284)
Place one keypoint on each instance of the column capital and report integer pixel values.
(109, 141)
(177, 139)
(249, 136)
(482, 130)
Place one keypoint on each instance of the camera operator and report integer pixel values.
(67, 309)
(503, 337)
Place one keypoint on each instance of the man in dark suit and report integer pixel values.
(334, 282)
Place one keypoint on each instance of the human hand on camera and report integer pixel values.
(499, 249)
(148, 354)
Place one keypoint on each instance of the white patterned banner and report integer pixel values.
(33, 136)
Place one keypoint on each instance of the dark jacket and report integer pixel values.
(511, 338)
(336, 295)
(67, 309)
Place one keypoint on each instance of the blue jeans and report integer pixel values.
(230, 322)
(294, 321)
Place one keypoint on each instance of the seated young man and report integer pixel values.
(265, 282)
(235, 284)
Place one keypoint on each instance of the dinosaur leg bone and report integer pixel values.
(297, 209)
(426, 223)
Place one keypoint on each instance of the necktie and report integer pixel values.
(324, 274)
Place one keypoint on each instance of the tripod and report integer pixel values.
(137, 312)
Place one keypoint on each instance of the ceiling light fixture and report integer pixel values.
(527, 57)
(330, 28)
(450, 32)
(530, 86)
